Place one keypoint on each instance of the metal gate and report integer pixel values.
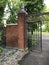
(34, 33)
(2, 35)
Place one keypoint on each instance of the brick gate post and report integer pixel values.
(22, 28)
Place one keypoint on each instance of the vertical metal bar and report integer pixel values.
(41, 36)
(38, 34)
(27, 33)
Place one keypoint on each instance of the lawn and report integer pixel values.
(45, 33)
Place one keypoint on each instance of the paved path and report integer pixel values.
(35, 58)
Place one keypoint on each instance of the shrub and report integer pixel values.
(32, 42)
(29, 42)
(10, 52)
(1, 49)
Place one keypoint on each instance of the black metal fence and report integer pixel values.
(34, 34)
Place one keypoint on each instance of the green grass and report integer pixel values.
(45, 33)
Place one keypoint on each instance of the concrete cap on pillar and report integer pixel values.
(22, 10)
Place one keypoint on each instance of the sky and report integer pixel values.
(47, 3)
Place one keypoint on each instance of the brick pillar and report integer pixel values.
(22, 31)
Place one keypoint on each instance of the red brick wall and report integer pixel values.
(16, 34)
(21, 31)
(12, 35)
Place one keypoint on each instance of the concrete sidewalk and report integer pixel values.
(35, 58)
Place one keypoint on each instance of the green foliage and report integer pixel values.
(10, 53)
(46, 26)
(32, 42)
(1, 63)
(32, 26)
(46, 20)
(34, 6)
(1, 49)
(14, 7)
(2, 6)
(29, 42)
(46, 9)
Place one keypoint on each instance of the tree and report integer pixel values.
(14, 7)
(46, 19)
(2, 6)
(32, 26)
(34, 7)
